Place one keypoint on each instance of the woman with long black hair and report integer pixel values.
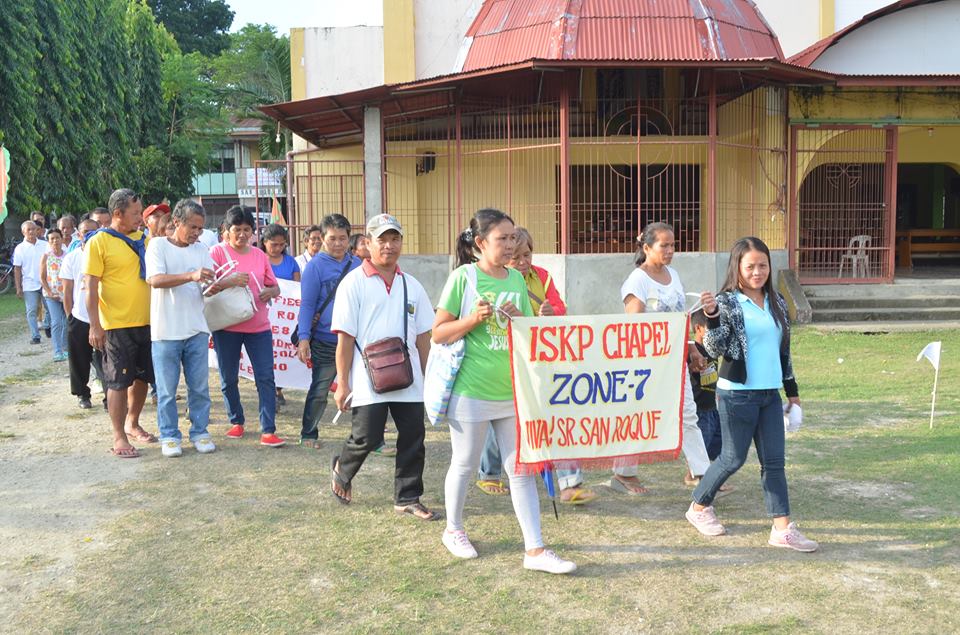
(748, 326)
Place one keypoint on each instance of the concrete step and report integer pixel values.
(903, 313)
(893, 302)
(885, 327)
(917, 288)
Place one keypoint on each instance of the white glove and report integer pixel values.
(792, 417)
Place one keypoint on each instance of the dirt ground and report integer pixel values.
(55, 471)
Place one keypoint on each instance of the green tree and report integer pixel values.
(145, 37)
(255, 70)
(198, 25)
(20, 35)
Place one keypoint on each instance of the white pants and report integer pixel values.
(693, 449)
(467, 441)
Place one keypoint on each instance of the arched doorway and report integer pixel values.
(843, 205)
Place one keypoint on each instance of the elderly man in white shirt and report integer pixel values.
(26, 276)
(314, 239)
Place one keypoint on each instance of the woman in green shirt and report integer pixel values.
(478, 300)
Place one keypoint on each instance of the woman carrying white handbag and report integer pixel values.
(253, 334)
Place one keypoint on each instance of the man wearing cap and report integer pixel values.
(118, 303)
(157, 219)
(376, 301)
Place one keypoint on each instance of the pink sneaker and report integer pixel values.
(458, 544)
(791, 538)
(705, 521)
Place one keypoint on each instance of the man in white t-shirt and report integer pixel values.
(26, 276)
(81, 356)
(376, 301)
(209, 238)
(176, 267)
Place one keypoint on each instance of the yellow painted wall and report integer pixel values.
(298, 75)
(828, 19)
(399, 59)
(873, 104)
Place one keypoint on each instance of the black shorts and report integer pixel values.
(127, 357)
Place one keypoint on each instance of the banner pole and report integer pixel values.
(933, 400)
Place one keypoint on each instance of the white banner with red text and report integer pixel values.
(288, 370)
(598, 391)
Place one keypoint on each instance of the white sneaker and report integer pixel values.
(170, 448)
(204, 445)
(458, 544)
(549, 562)
(705, 521)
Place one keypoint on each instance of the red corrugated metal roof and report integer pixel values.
(336, 118)
(512, 31)
(811, 54)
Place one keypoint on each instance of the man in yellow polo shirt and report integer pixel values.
(118, 301)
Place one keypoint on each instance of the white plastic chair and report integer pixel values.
(856, 254)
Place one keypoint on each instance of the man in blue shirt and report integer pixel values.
(318, 286)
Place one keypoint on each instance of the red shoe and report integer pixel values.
(271, 440)
(236, 432)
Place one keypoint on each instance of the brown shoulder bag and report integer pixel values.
(388, 360)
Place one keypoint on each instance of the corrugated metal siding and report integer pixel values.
(511, 31)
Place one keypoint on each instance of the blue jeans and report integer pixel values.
(491, 465)
(709, 423)
(31, 301)
(323, 360)
(168, 357)
(750, 416)
(260, 352)
(58, 325)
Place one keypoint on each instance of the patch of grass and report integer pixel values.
(35, 562)
(6, 435)
(29, 353)
(10, 305)
(788, 625)
(26, 402)
(201, 537)
(26, 378)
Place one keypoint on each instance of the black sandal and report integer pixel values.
(413, 508)
(343, 500)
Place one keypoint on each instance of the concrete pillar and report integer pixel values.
(372, 162)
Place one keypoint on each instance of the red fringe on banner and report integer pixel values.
(601, 463)
(605, 462)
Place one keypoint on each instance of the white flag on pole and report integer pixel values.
(932, 352)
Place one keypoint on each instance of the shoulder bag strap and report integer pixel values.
(406, 312)
(330, 296)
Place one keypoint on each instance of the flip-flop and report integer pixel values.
(580, 496)
(413, 508)
(311, 444)
(493, 487)
(343, 500)
(617, 486)
(143, 436)
(125, 453)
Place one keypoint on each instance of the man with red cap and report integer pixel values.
(157, 219)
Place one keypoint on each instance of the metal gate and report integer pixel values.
(315, 188)
(843, 203)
